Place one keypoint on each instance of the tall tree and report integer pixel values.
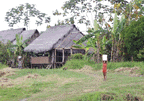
(23, 13)
(134, 37)
(81, 9)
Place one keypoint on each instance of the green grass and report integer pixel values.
(3, 66)
(79, 63)
(117, 87)
(44, 72)
(16, 93)
(95, 96)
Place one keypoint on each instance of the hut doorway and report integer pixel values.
(59, 55)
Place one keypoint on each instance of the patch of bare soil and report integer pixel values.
(7, 82)
(129, 97)
(7, 72)
(129, 71)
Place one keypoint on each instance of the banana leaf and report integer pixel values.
(115, 24)
(86, 37)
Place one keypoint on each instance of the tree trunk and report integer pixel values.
(112, 49)
(132, 58)
(117, 52)
(98, 52)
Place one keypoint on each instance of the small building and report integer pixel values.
(53, 47)
(28, 36)
(10, 34)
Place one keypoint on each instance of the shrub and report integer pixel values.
(75, 64)
(4, 55)
(77, 56)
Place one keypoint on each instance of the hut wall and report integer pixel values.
(40, 60)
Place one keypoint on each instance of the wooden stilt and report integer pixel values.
(71, 51)
(63, 55)
(54, 65)
(55, 56)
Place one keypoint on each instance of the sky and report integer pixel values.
(45, 6)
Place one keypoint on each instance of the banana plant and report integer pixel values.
(20, 45)
(116, 36)
(98, 34)
(18, 48)
(119, 30)
(81, 46)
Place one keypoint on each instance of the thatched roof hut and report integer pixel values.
(55, 37)
(28, 35)
(10, 34)
(58, 41)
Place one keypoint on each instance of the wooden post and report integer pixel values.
(52, 61)
(55, 55)
(54, 65)
(63, 55)
(55, 59)
(71, 51)
(31, 62)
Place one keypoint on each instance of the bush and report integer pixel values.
(77, 56)
(134, 37)
(4, 55)
(75, 64)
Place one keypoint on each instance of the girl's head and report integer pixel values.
(19, 57)
(104, 61)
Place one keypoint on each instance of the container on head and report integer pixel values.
(104, 57)
(19, 57)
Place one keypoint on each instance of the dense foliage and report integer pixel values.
(77, 56)
(134, 37)
(4, 55)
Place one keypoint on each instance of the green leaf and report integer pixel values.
(77, 47)
(96, 26)
(115, 24)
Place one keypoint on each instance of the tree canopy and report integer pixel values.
(23, 13)
(134, 36)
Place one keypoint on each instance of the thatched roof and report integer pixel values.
(52, 38)
(26, 35)
(91, 50)
(10, 34)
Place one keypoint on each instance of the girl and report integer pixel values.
(104, 69)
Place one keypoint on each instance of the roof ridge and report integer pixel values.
(12, 29)
(62, 25)
(63, 36)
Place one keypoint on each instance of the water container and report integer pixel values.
(104, 57)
